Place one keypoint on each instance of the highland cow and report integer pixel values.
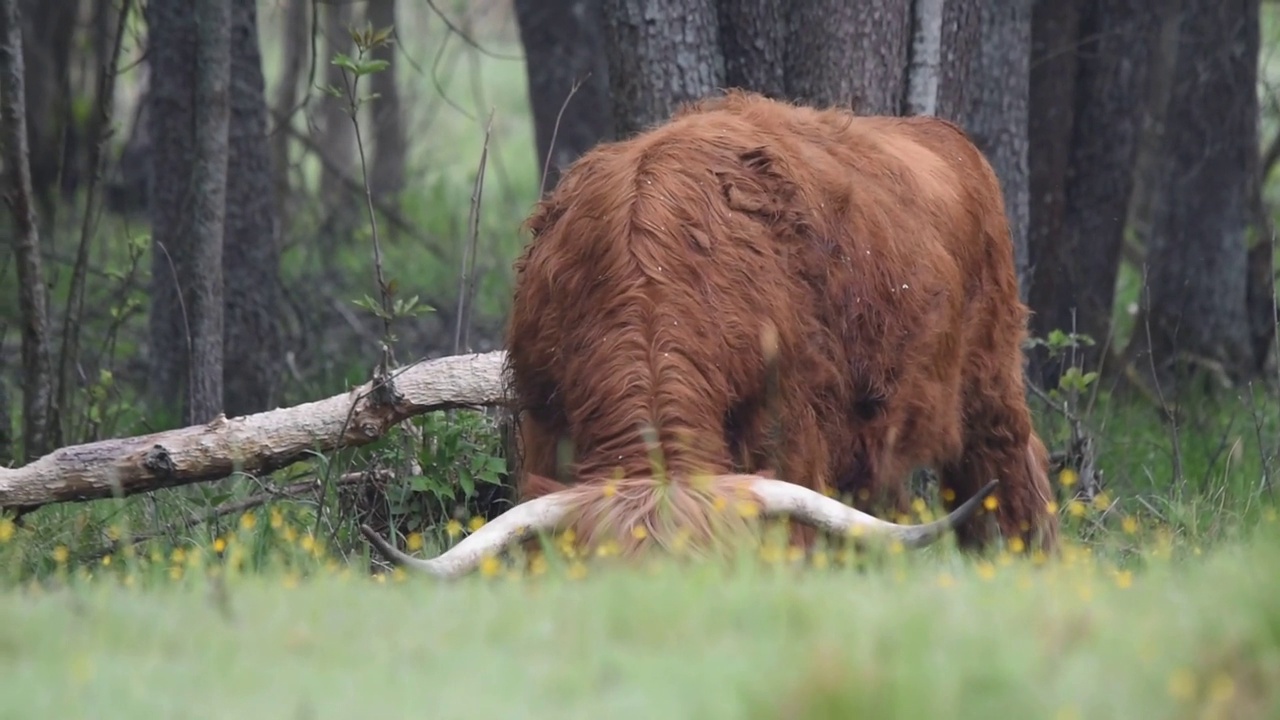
(757, 290)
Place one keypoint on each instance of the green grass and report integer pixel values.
(928, 635)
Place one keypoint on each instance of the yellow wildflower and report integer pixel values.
(1068, 477)
(1016, 546)
(1076, 508)
(577, 570)
(475, 523)
(308, 542)
(1129, 525)
(219, 545)
(1101, 501)
(6, 530)
(60, 554)
(1051, 506)
(1221, 688)
(106, 559)
(1124, 578)
(452, 528)
(948, 494)
(986, 570)
(639, 532)
(413, 542)
(990, 503)
(1182, 684)
(248, 520)
(277, 519)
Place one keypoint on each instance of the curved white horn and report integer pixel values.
(517, 524)
(778, 497)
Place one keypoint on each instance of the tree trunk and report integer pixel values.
(1075, 277)
(945, 38)
(1054, 60)
(47, 31)
(753, 38)
(37, 378)
(661, 53)
(850, 54)
(998, 110)
(251, 251)
(924, 72)
(386, 174)
(296, 30)
(209, 188)
(190, 69)
(563, 45)
(1195, 296)
(337, 134)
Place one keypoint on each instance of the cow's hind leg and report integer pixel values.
(1001, 444)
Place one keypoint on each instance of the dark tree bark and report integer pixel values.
(1195, 304)
(998, 110)
(386, 174)
(47, 30)
(209, 188)
(37, 378)
(753, 38)
(1075, 276)
(849, 54)
(661, 53)
(190, 61)
(1054, 60)
(563, 46)
(251, 259)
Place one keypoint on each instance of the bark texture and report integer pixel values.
(998, 110)
(563, 45)
(661, 53)
(1073, 287)
(251, 254)
(37, 378)
(189, 69)
(850, 54)
(753, 38)
(1196, 290)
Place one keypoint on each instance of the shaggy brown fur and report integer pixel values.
(877, 250)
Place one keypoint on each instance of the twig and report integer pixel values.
(288, 492)
(469, 253)
(555, 131)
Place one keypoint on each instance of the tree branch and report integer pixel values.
(259, 443)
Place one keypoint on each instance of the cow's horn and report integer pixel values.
(813, 508)
(519, 523)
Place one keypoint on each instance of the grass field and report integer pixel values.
(1170, 632)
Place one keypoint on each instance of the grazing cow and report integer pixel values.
(756, 290)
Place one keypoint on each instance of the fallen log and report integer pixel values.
(258, 443)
